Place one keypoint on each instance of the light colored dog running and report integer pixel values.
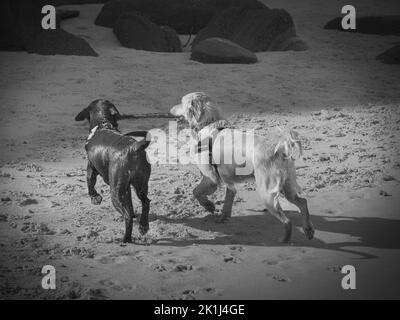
(270, 161)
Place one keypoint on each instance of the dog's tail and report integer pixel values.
(141, 144)
(290, 145)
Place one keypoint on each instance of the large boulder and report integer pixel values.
(64, 14)
(390, 56)
(111, 11)
(59, 41)
(135, 31)
(383, 25)
(218, 50)
(171, 37)
(21, 29)
(254, 29)
(20, 20)
(184, 16)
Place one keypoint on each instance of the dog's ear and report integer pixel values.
(114, 114)
(197, 109)
(84, 114)
(114, 111)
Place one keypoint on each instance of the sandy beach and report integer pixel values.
(343, 102)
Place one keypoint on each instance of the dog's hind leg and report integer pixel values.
(141, 192)
(291, 190)
(129, 205)
(91, 178)
(292, 196)
(119, 198)
(269, 197)
(272, 204)
(228, 203)
(204, 189)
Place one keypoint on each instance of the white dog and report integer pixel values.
(223, 157)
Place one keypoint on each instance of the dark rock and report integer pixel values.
(254, 29)
(59, 41)
(218, 50)
(184, 16)
(111, 11)
(20, 29)
(20, 20)
(135, 31)
(222, 25)
(172, 39)
(383, 25)
(390, 56)
(62, 14)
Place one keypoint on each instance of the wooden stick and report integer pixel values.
(146, 115)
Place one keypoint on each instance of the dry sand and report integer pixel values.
(350, 170)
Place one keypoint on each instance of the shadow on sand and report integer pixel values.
(264, 230)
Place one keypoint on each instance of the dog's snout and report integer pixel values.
(173, 111)
(176, 110)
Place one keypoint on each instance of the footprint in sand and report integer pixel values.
(183, 268)
(188, 294)
(159, 268)
(278, 277)
(329, 211)
(237, 248)
(117, 285)
(285, 258)
(232, 259)
(270, 262)
(123, 256)
(105, 260)
(212, 291)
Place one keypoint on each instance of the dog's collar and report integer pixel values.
(106, 125)
(214, 125)
(208, 133)
(101, 126)
(207, 143)
(92, 133)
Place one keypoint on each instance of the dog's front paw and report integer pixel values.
(309, 231)
(127, 239)
(208, 205)
(143, 229)
(96, 200)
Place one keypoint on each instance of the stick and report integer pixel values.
(146, 115)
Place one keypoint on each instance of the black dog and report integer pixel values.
(99, 111)
(120, 160)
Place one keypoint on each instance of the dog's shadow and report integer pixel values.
(264, 230)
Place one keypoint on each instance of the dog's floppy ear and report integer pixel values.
(84, 114)
(114, 111)
(197, 109)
